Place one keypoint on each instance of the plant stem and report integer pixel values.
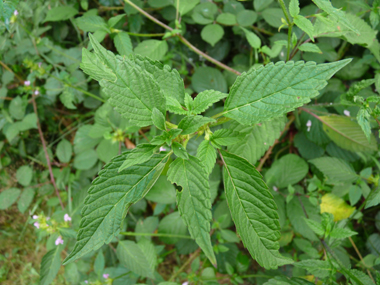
(45, 150)
(289, 42)
(183, 267)
(10, 70)
(155, 235)
(183, 40)
(145, 35)
(361, 258)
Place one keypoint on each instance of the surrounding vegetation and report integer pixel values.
(189, 142)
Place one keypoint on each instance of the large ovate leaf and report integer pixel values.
(253, 210)
(109, 198)
(95, 68)
(193, 201)
(139, 154)
(348, 134)
(335, 169)
(267, 92)
(258, 138)
(135, 92)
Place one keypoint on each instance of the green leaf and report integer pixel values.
(60, 13)
(204, 13)
(68, 98)
(260, 5)
(252, 39)
(258, 138)
(268, 92)
(206, 78)
(309, 47)
(162, 192)
(283, 280)
(140, 258)
(123, 44)
(207, 155)
(17, 108)
(167, 78)
(193, 201)
(373, 198)
(24, 175)
(109, 198)
(347, 134)
(226, 137)
(294, 8)
(172, 224)
(106, 150)
(154, 49)
(158, 119)
(205, 99)
(135, 93)
(25, 200)
(179, 150)
(91, 23)
(305, 25)
(140, 154)
(186, 6)
(212, 34)
(191, 124)
(173, 106)
(363, 117)
(7, 8)
(114, 20)
(92, 66)
(340, 233)
(253, 210)
(246, 18)
(50, 264)
(227, 19)
(64, 151)
(336, 169)
(8, 197)
(273, 16)
(315, 227)
(99, 264)
(319, 268)
(289, 169)
(86, 159)
(336, 14)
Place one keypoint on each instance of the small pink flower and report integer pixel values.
(185, 283)
(59, 240)
(35, 217)
(346, 112)
(85, 281)
(67, 218)
(308, 125)
(27, 83)
(162, 149)
(37, 225)
(105, 276)
(39, 64)
(36, 92)
(47, 218)
(275, 188)
(15, 13)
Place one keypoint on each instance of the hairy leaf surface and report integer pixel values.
(191, 124)
(50, 264)
(194, 200)
(207, 155)
(268, 92)
(205, 99)
(139, 154)
(109, 197)
(253, 210)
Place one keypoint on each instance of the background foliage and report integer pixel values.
(58, 129)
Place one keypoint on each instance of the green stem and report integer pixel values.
(145, 35)
(289, 42)
(155, 235)
(183, 267)
(285, 11)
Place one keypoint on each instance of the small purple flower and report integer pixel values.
(67, 218)
(185, 283)
(27, 83)
(35, 217)
(275, 188)
(59, 240)
(162, 149)
(346, 112)
(47, 218)
(36, 92)
(37, 225)
(105, 276)
(85, 281)
(308, 125)
(15, 13)
(39, 64)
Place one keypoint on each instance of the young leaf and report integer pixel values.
(172, 105)
(309, 47)
(348, 134)
(109, 198)
(315, 226)
(253, 210)
(95, 68)
(60, 13)
(268, 92)
(294, 8)
(8, 197)
(158, 119)
(212, 34)
(207, 155)
(363, 118)
(373, 198)
(191, 124)
(123, 43)
(179, 150)
(252, 39)
(305, 25)
(319, 268)
(91, 23)
(258, 138)
(194, 200)
(226, 137)
(340, 233)
(140, 258)
(50, 264)
(135, 93)
(205, 99)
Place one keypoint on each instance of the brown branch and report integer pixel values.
(183, 40)
(269, 151)
(183, 267)
(10, 70)
(45, 151)
(361, 258)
